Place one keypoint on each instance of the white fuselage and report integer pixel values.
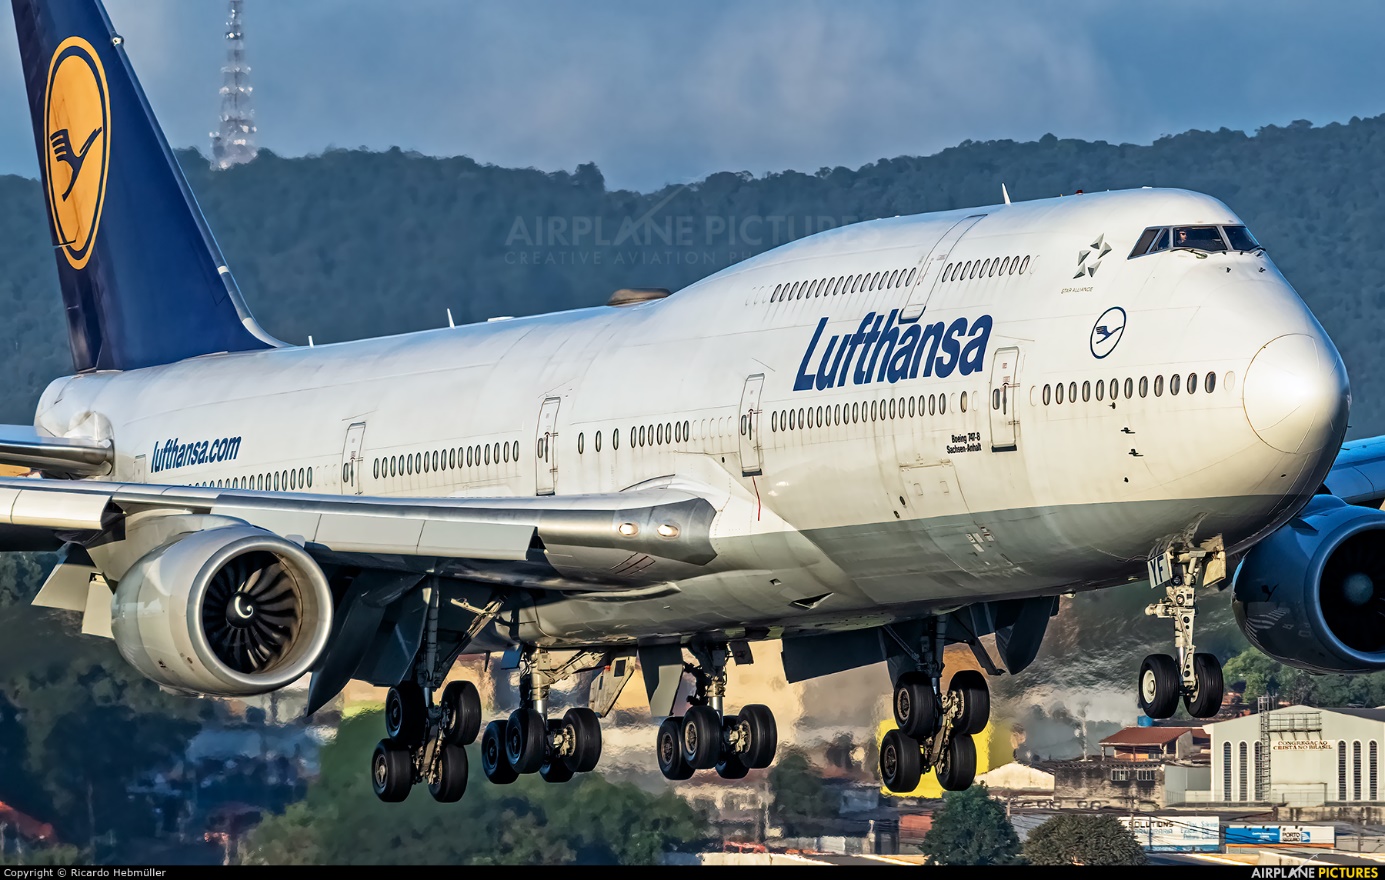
(900, 479)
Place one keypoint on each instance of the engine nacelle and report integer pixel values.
(232, 611)
(1312, 594)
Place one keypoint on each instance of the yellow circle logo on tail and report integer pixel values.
(78, 146)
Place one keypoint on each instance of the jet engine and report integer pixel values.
(1312, 594)
(231, 611)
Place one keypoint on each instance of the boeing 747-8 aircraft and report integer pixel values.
(868, 444)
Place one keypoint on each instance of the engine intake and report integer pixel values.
(1312, 595)
(231, 611)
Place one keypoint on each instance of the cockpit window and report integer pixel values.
(1240, 238)
(1200, 238)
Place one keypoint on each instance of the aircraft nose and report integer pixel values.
(1296, 394)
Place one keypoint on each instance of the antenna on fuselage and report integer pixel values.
(449, 319)
(310, 342)
(1005, 192)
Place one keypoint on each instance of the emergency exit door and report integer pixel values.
(352, 459)
(1005, 410)
(752, 452)
(545, 456)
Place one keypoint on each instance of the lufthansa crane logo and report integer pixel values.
(77, 112)
(1107, 332)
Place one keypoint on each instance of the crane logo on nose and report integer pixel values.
(1107, 332)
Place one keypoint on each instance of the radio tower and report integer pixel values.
(234, 143)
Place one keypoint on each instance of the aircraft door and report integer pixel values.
(353, 460)
(1005, 410)
(932, 267)
(752, 452)
(545, 456)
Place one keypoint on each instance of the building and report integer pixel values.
(1094, 783)
(1298, 756)
(1155, 744)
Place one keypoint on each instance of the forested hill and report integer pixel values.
(353, 243)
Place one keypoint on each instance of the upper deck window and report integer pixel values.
(1208, 239)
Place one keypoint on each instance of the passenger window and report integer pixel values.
(1158, 386)
(615, 438)
(995, 398)
(579, 447)
(1129, 389)
(1004, 264)
(1113, 390)
(1048, 394)
(497, 453)
(932, 404)
(855, 412)
(986, 265)
(1174, 382)
(1211, 382)
(964, 401)
(775, 296)
(377, 469)
(276, 482)
(1192, 383)
(911, 407)
(409, 463)
(942, 404)
(910, 280)
(1144, 386)
(1202, 238)
(1024, 265)
(310, 478)
(435, 461)
(1086, 391)
(1058, 394)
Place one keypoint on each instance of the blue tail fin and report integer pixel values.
(143, 281)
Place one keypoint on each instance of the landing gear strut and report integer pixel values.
(706, 737)
(529, 741)
(425, 739)
(1194, 677)
(934, 728)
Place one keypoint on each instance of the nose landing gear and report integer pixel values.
(1195, 678)
(935, 729)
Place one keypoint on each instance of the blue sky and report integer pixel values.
(659, 93)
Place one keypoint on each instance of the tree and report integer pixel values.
(971, 829)
(586, 821)
(1075, 839)
(798, 795)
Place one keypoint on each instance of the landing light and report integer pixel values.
(667, 530)
(628, 529)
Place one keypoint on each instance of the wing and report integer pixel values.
(1358, 474)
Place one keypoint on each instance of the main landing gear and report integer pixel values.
(529, 741)
(706, 737)
(1194, 677)
(426, 739)
(935, 729)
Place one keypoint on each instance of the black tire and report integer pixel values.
(461, 704)
(701, 737)
(585, 727)
(526, 740)
(901, 763)
(971, 689)
(957, 764)
(391, 771)
(406, 713)
(1205, 700)
(762, 734)
(916, 708)
(448, 786)
(668, 748)
(1160, 686)
(494, 763)
(556, 769)
(731, 766)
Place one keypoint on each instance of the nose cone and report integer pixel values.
(1296, 394)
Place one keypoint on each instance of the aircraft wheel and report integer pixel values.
(916, 708)
(494, 762)
(1160, 686)
(584, 726)
(556, 769)
(969, 686)
(731, 766)
(701, 737)
(901, 763)
(526, 737)
(1205, 700)
(391, 771)
(461, 705)
(449, 784)
(406, 713)
(761, 735)
(957, 765)
(668, 747)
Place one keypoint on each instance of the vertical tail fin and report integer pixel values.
(143, 281)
